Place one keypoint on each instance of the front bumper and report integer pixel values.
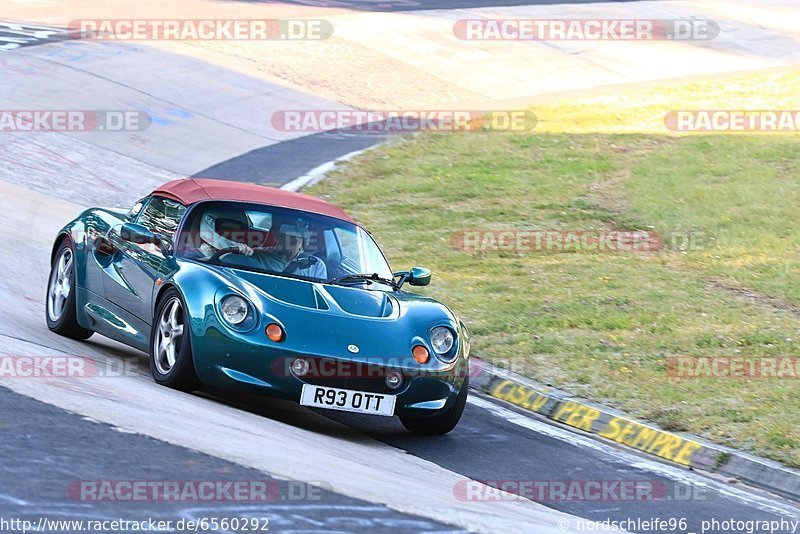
(243, 362)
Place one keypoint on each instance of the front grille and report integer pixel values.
(347, 375)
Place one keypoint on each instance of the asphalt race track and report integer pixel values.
(105, 453)
(334, 472)
(280, 163)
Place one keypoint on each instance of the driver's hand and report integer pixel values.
(244, 249)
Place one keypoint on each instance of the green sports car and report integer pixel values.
(242, 286)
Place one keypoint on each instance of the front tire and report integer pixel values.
(171, 359)
(61, 309)
(439, 425)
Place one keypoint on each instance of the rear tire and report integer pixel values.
(171, 359)
(439, 425)
(61, 309)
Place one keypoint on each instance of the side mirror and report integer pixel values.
(419, 276)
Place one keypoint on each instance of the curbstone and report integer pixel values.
(675, 448)
(762, 473)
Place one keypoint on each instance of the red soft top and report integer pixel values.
(190, 190)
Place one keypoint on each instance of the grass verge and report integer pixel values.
(602, 325)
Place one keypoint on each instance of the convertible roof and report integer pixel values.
(190, 190)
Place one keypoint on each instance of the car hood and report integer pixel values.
(377, 302)
(350, 300)
(379, 322)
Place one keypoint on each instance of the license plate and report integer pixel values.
(347, 400)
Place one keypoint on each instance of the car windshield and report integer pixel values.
(279, 241)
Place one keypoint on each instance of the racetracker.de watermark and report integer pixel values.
(576, 491)
(49, 120)
(521, 241)
(193, 491)
(402, 121)
(585, 29)
(66, 366)
(365, 369)
(735, 367)
(733, 120)
(201, 29)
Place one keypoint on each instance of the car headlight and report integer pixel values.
(442, 339)
(234, 309)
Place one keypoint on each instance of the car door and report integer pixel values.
(135, 267)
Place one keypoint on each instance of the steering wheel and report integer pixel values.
(233, 250)
(221, 252)
(302, 263)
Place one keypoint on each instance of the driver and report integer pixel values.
(288, 255)
(222, 229)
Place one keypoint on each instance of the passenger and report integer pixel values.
(288, 255)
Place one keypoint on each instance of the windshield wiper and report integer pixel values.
(369, 278)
